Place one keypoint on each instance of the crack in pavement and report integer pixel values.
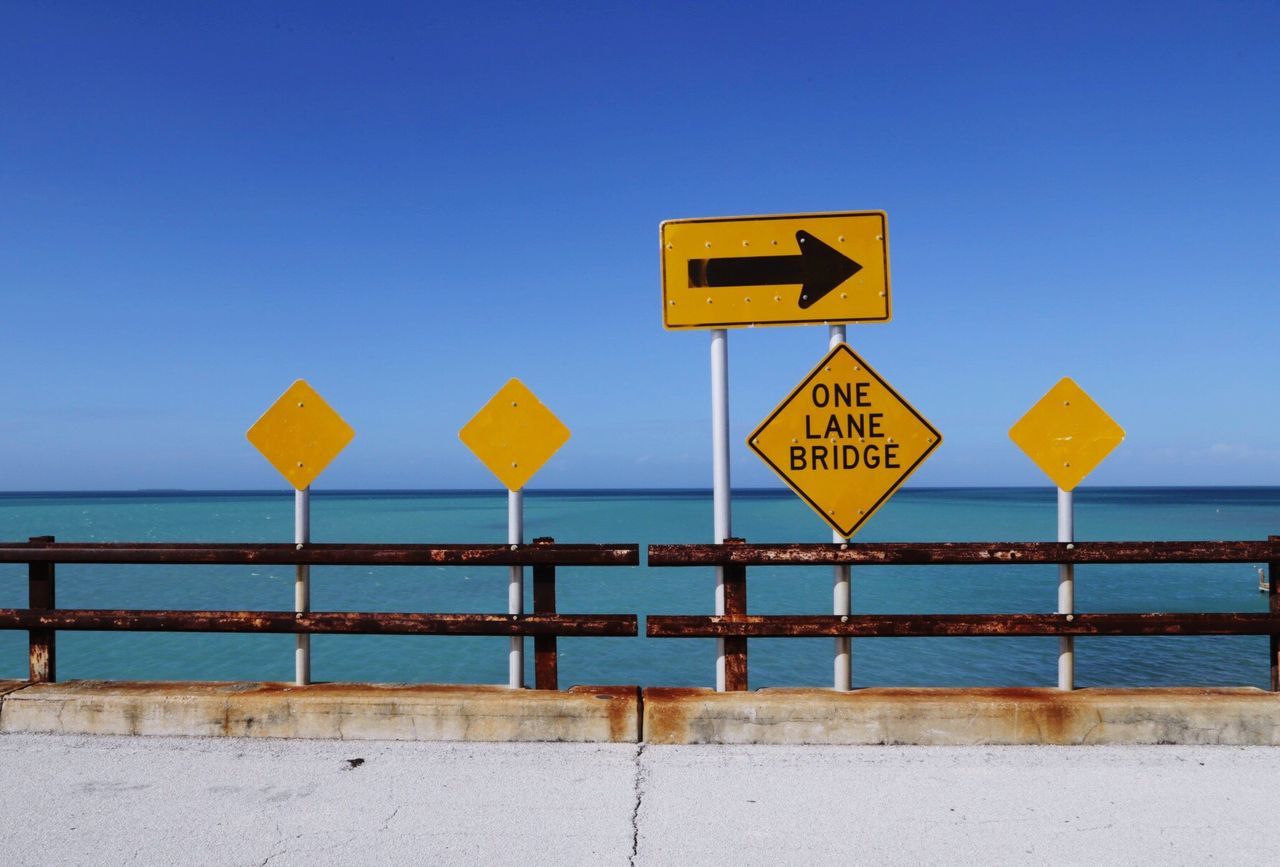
(278, 847)
(635, 810)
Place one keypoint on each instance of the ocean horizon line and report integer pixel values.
(580, 491)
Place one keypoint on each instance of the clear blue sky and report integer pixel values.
(409, 204)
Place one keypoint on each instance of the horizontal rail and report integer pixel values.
(324, 554)
(371, 623)
(961, 553)
(925, 625)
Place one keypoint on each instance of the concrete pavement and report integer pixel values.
(165, 801)
(958, 805)
(116, 800)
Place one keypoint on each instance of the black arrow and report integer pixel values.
(818, 269)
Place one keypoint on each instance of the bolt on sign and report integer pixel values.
(300, 434)
(1066, 434)
(798, 269)
(514, 434)
(844, 440)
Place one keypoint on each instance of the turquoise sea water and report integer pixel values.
(646, 517)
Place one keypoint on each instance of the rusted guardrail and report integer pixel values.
(736, 625)
(42, 617)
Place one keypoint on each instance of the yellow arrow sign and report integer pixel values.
(844, 440)
(1066, 434)
(514, 434)
(300, 434)
(794, 269)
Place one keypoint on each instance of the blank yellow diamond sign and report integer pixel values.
(514, 434)
(844, 440)
(300, 434)
(1066, 434)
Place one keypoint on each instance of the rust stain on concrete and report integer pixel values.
(329, 710)
(1240, 716)
(963, 716)
(621, 706)
(8, 686)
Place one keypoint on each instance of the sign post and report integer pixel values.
(842, 584)
(513, 435)
(720, 489)
(515, 587)
(1066, 589)
(300, 434)
(302, 583)
(1066, 434)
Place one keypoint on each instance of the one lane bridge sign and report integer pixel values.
(797, 269)
(844, 440)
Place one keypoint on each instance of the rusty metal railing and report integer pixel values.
(735, 626)
(42, 618)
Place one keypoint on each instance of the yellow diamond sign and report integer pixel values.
(300, 434)
(514, 434)
(1066, 434)
(844, 440)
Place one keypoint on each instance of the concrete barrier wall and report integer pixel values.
(624, 714)
(344, 711)
(1243, 716)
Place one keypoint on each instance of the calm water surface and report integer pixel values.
(645, 517)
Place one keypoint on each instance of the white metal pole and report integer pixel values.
(302, 584)
(515, 588)
(841, 600)
(720, 468)
(1066, 590)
